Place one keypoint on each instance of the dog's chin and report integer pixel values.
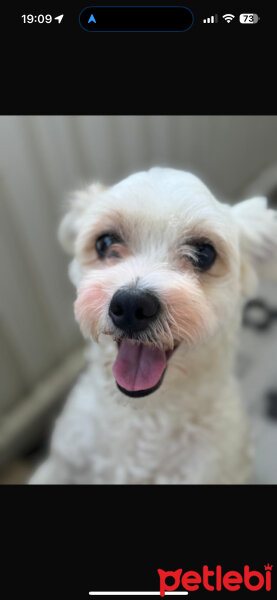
(138, 369)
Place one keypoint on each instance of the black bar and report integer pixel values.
(136, 18)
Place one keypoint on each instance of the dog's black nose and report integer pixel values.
(133, 310)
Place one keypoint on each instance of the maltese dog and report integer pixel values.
(162, 270)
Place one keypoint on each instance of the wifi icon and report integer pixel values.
(228, 18)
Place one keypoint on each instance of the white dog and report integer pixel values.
(162, 270)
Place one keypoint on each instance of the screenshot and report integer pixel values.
(138, 304)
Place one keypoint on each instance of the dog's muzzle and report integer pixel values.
(139, 367)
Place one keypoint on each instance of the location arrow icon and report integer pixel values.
(59, 18)
(91, 19)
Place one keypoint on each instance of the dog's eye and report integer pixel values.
(205, 256)
(104, 242)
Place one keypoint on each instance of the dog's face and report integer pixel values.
(159, 262)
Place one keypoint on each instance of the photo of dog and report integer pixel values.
(162, 270)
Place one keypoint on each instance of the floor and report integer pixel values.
(17, 472)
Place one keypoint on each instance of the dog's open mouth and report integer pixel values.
(139, 369)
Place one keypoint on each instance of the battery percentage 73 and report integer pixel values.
(249, 18)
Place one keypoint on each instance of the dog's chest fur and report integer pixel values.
(181, 434)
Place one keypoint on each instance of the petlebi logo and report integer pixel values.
(211, 580)
(215, 580)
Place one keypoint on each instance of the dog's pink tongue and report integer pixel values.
(138, 367)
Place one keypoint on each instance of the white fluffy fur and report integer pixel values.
(193, 428)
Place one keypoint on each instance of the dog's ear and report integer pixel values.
(258, 239)
(77, 204)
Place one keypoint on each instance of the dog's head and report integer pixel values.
(159, 262)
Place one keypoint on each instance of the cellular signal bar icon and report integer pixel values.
(212, 19)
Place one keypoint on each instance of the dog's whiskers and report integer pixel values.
(176, 366)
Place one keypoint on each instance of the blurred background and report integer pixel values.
(42, 158)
